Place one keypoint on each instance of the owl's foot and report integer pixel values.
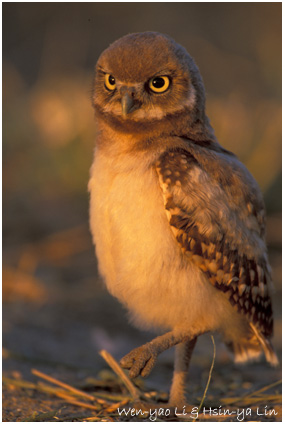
(140, 361)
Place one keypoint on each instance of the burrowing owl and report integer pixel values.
(178, 222)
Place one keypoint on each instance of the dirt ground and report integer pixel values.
(57, 316)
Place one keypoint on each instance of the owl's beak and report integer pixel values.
(127, 103)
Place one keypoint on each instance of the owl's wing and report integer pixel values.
(219, 229)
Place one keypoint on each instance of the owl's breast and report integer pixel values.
(133, 239)
(138, 256)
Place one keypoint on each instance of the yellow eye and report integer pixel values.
(110, 82)
(159, 84)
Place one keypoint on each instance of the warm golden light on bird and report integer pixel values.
(177, 220)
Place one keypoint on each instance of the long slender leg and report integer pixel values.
(183, 353)
(141, 360)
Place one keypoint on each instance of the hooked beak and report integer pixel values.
(127, 103)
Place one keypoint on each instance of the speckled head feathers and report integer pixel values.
(136, 57)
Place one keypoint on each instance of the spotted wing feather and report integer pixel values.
(218, 231)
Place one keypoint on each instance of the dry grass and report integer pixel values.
(105, 405)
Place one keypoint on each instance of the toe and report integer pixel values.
(126, 362)
(148, 367)
(138, 366)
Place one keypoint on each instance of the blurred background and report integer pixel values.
(56, 312)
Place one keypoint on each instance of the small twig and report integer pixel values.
(72, 400)
(102, 397)
(252, 395)
(71, 418)
(115, 406)
(18, 383)
(62, 384)
(119, 371)
(91, 419)
(209, 378)
(267, 387)
(247, 401)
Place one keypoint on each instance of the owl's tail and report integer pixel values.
(269, 352)
(248, 350)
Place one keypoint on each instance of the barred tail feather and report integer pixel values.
(248, 350)
(245, 351)
(269, 352)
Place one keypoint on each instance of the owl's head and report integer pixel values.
(145, 81)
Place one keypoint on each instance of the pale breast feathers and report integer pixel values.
(218, 223)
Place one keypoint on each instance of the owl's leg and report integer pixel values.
(183, 353)
(141, 360)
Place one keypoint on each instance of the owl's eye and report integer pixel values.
(110, 82)
(159, 84)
